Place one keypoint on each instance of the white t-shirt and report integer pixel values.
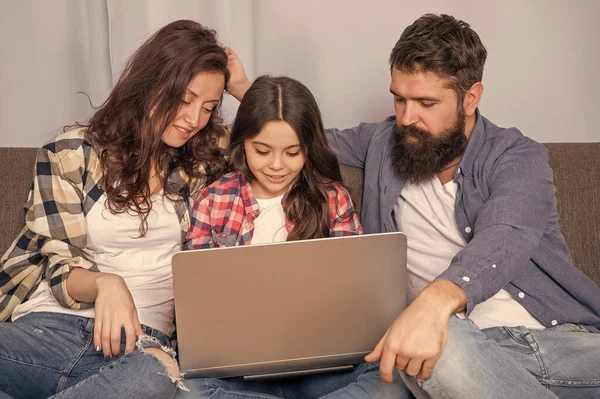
(425, 213)
(144, 263)
(269, 226)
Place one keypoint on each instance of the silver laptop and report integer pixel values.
(291, 308)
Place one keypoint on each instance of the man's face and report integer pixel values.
(430, 131)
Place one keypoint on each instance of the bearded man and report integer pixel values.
(496, 307)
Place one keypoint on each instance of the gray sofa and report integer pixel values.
(576, 175)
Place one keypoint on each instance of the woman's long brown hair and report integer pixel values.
(127, 129)
(285, 99)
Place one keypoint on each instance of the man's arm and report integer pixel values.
(351, 145)
(510, 225)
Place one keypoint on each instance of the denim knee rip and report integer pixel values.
(146, 342)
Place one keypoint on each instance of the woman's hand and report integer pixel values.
(115, 310)
(238, 81)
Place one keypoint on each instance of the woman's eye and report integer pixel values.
(259, 152)
(293, 154)
(185, 102)
(208, 109)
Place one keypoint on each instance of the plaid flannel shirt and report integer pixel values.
(66, 184)
(223, 214)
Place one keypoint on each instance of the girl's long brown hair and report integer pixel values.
(285, 99)
(127, 129)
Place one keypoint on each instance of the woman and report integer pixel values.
(88, 281)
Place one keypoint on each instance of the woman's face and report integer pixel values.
(202, 96)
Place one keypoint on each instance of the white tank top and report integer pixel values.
(144, 263)
(425, 212)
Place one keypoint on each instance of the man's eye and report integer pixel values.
(427, 105)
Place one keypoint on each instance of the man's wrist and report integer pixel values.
(449, 296)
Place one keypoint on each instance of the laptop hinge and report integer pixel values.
(298, 373)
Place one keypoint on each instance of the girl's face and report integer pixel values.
(202, 96)
(275, 158)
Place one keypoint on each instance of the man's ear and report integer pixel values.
(472, 99)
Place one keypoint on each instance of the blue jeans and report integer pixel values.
(362, 382)
(44, 354)
(514, 362)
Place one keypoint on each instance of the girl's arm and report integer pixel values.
(344, 219)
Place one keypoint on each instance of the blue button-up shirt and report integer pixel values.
(505, 209)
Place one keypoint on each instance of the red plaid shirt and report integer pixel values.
(223, 214)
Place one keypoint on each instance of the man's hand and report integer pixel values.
(115, 310)
(238, 83)
(416, 339)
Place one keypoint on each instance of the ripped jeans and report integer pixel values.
(52, 355)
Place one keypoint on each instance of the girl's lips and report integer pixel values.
(275, 179)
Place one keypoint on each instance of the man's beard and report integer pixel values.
(419, 161)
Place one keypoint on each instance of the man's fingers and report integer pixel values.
(386, 366)
(401, 362)
(375, 355)
(427, 368)
(413, 367)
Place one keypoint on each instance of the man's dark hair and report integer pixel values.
(443, 45)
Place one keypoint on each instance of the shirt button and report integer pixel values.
(468, 229)
(521, 295)
(247, 226)
(554, 322)
(494, 266)
(466, 279)
(459, 170)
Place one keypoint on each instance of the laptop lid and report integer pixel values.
(286, 307)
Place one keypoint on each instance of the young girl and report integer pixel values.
(286, 183)
(108, 207)
(286, 186)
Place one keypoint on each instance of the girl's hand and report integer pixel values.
(238, 81)
(115, 310)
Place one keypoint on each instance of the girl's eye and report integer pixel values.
(262, 152)
(185, 102)
(208, 109)
(293, 154)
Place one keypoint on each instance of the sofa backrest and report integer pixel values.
(16, 168)
(576, 169)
